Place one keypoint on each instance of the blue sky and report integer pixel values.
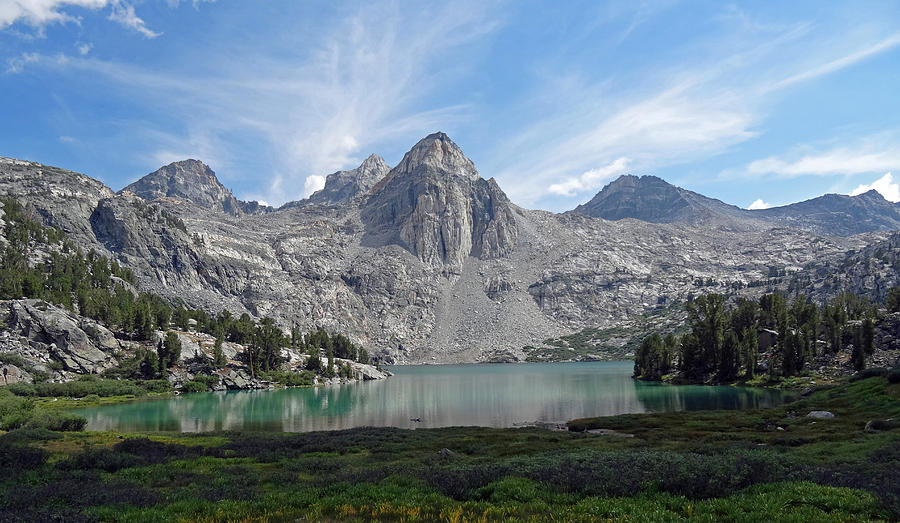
(769, 101)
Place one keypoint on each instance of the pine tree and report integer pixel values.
(219, 360)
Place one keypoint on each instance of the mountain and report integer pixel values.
(432, 263)
(436, 204)
(194, 181)
(837, 214)
(342, 186)
(654, 200)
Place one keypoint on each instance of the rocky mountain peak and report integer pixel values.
(652, 199)
(437, 154)
(436, 205)
(194, 181)
(343, 186)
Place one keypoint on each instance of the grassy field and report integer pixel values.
(765, 465)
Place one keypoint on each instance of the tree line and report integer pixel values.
(722, 340)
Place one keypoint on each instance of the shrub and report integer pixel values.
(22, 389)
(194, 386)
(20, 436)
(894, 375)
(292, 379)
(10, 358)
(869, 373)
(883, 424)
(209, 381)
(19, 458)
(101, 459)
(58, 421)
(158, 452)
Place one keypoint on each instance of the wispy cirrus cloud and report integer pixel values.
(124, 14)
(870, 154)
(675, 125)
(680, 113)
(360, 86)
(841, 62)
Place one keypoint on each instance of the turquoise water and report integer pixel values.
(497, 395)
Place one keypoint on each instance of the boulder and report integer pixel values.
(81, 345)
(11, 374)
(820, 414)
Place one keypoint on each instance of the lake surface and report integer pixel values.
(495, 395)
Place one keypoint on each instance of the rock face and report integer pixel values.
(654, 200)
(435, 204)
(194, 181)
(343, 186)
(838, 214)
(432, 263)
(44, 331)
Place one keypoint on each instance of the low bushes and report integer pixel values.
(894, 375)
(18, 412)
(194, 386)
(870, 373)
(292, 379)
(84, 386)
(200, 383)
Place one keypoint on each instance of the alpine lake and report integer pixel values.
(488, 395)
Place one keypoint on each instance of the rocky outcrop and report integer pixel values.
(343, 186)
(837, 214)
(654, 200)
(435, 204)
(44, 333)
(194, 181)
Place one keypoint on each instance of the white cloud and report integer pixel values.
(84, 49)
(759, 204)
(195, 3)
(870, 154)
(350, 90)
(675, 125)
(590, 180)
(17, 64)
(841, 62)
(40, 13)
(124, 14)
(678, 114)
(884, 185)
(312, 184)
(67, 139)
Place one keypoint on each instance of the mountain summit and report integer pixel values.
(436, 154)
(654, 200)
(342, 186)
(436, 205)
(194, 181)
(838, 214)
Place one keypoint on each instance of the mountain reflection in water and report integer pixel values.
(495, 395)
